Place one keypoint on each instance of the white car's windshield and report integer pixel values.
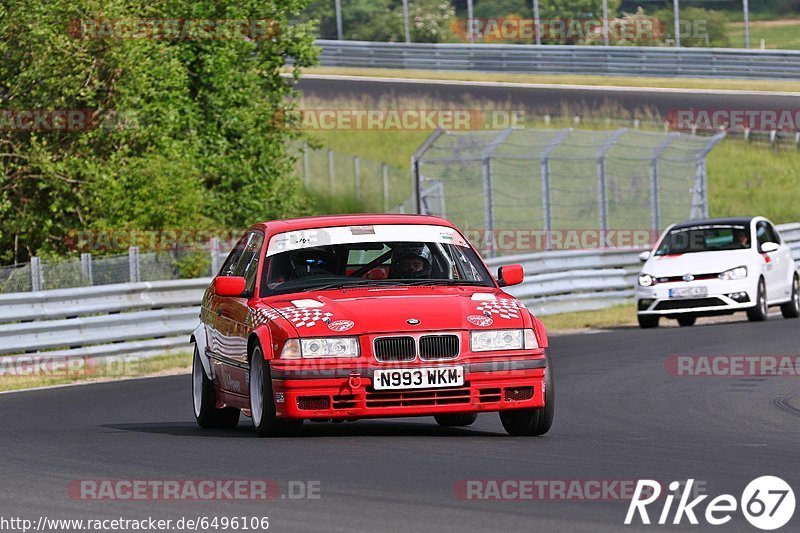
(705, 238)
(372, 263)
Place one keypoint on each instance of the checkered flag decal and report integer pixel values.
(299, 317)
(502, 307)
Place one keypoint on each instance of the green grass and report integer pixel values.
(170, 363)
(616, 81)
(618, 315)
(777, 34)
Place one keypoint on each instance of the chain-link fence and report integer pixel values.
(560, 181)
(376, 186)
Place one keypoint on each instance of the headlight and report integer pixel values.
(734, 273)
(329, 347)
(646, 280)
(503, 339)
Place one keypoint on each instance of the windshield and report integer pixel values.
(373, 263)
(706, 238)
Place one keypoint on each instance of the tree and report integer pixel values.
(179, 130)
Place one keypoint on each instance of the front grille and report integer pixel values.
(395, 349)
(670, 305)
(695, 277)
(438, 347)
(414, 398)
(313, 403)
(489, 395)
(345, 401)
(518, 394)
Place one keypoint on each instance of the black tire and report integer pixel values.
(206, 413)
(687, 321)
(265, 421)
(457, 419)
(758, 313)
(791, 309)
(648, 321)
(533, 422)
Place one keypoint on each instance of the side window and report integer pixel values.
(230, 263)
(762, 233)
(248, 263)
(772, 234)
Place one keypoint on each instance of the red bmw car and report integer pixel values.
(348, 317)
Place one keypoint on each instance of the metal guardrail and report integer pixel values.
(151, 317)
(552, 59)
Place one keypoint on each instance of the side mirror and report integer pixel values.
(229, 285)
(644, 256)
(510, 275)
(769, 247)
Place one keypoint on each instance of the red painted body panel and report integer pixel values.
(235, 322)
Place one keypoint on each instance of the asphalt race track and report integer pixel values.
(619, 416)
(545, 99)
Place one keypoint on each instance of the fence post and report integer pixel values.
(601, 178)
(306, 167)
(37, 278)
(385, 176)
(700, 197)
(133, 264)
(214, 246)
(544, 169)
(86, 268)
(655, 201)
(330, 171)
(357, 176)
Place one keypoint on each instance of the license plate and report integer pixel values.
(689, 292)
(418, 378)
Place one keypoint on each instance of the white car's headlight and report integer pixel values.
(503, 339)
(646, 280)
(329, 347)
(734, 273)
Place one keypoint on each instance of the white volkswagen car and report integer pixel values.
(717, 267)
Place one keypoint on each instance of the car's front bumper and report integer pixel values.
(347, 393)
(722, 297)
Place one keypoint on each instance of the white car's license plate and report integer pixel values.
(689, 292)
(418, 378)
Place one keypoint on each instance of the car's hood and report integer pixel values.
(360, 311)
(696, 263)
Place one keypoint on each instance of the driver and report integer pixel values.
(741, 237)
(413, 266)
(312, 262)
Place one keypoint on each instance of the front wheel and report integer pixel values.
(204, 399)
(758, 313)
(455, 420)
(687, 321)
(262, 401)
(533, 422)
(648, 321)
(791, 309)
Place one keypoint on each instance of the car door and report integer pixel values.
(784, 263)
(233, 313)
(773, 274)
(211, 305)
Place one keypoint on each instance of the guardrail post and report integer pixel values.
(357, 176)
(306, 167)
(330, 172)
(133, 264)
(385, 176)
(37, 279)
(214, 246)
(86, 268)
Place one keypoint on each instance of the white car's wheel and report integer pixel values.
(791, 309)
(262, 401)
(204, 399)
(758, 313)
